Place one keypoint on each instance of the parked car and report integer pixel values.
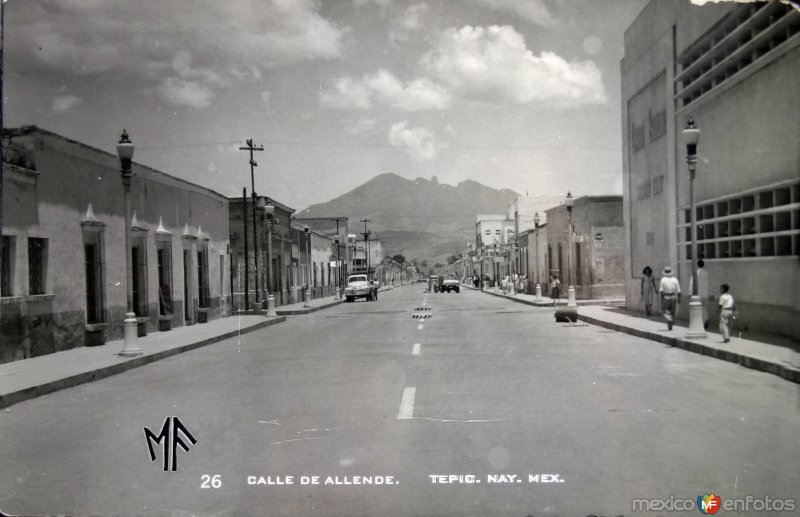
(359, 286)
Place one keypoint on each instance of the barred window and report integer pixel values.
(37, 255)
(139, 264)
(637, 137)
(94, 276)
(203, 290)
(749, 37)
(7, 273)
(164, 254)
(765, 223)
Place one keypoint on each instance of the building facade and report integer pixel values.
(733, 69)
(533, 253)
(593, 259)
(272, 269)
(64, 281)
(336, 228)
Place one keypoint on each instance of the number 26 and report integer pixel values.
(211, 481)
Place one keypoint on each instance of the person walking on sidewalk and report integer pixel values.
(725, 309)
(670, 290)
(648, 289)
(555, 289)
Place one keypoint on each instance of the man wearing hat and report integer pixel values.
(670, 291)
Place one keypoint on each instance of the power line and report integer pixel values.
(296, 143)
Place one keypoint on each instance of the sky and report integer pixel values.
(518, 94)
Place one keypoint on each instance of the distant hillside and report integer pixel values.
(426, 219)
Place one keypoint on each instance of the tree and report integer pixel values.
(399, 258)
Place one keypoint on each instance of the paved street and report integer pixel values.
(578, 420)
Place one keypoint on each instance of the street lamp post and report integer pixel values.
(306, 305)
(338, 270)
(571, 290)
(130, 346)
(269, 210)
(495, 266)
(536, 221)
(691, 136)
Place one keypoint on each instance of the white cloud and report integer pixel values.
(419, 94)
(532, 10)
(266, 96)
(494, 65)
(64, 103)
(142, 41)
(419, 142)
(386, 89)
(380, 3)
(361, 126)
(185, 93)
(346, 93)
(409, 22)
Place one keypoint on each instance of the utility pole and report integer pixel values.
(246, 253)
(253, 164)
(366, 239)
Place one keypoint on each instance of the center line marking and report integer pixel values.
(419, 327)
(407, 404)
(415, 350)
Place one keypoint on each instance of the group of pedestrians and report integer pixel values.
(514, 284)
(669, 290)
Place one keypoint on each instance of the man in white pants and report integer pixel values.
(670, 290)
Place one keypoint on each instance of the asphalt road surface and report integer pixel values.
(487, 408)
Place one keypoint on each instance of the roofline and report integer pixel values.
(271, 199)
(32, 128)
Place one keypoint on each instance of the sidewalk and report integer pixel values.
(299, 308)
(37, 376)
(769, 353)
(317, 304)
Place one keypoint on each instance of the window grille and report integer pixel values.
(6, 274)
(36, 265)
(763, 223)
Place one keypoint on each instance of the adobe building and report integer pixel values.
(596, 265)
(335, 228)
(64, 281)
(523, 212)
(272, 279)
(534, 257)
(733, 68)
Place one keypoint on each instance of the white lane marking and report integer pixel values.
(419, 327)
(407, 404)
(458, 421)
(415, 350)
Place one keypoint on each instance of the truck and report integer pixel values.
(446, 284)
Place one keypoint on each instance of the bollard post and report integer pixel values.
(271, 305)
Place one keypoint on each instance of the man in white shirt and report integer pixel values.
(726, 308)
(670, 290)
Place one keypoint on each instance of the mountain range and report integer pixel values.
(423, 218)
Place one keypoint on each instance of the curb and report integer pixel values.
(785, 372)
(580, 303)
(82, 378)
(299, 312)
